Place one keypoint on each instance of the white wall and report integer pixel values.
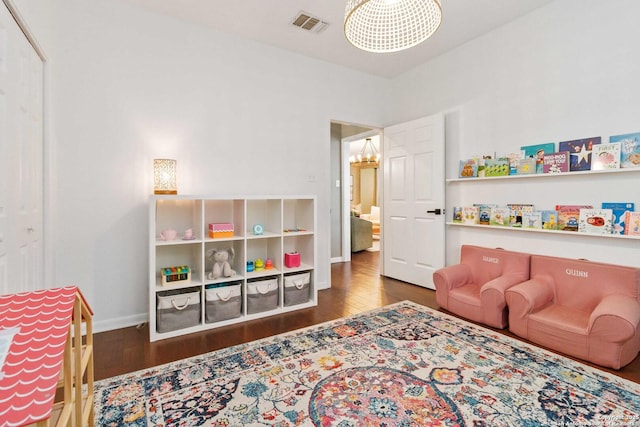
(240, 118)
(129, 86)
(566, 71)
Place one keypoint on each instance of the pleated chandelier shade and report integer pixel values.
(383, 26)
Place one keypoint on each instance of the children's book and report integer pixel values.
(515, 213)
(496, 167)
(549, 219)
(457, 214)
(605, 156)
(513, 159)
(468, 169)
(500, 216)
(537, 152)
(532, 220)
(629, 149)
(484, 213)
(632, 224)
(580, 152)
(526, 166)
(556, 162)
(596, 221)
(619, 212)
(470, 215)
(569, 215)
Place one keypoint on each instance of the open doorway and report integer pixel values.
(357, 190)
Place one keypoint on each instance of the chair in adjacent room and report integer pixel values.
(474, 288)
(361, 235)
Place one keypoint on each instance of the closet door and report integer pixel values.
(21, 152)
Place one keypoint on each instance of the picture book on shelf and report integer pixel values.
(580, 152)
(500, 216)
(605, 156)
(468, 169)
(619, 211)
(526, 166)
(549, 219)
(513, 160)
(470, 215)
(484, 213)
(595, 221)
(457, 214)
(532, 220)
(629, 149)
(632, 224)
(537, 152)
(569, 215)
(557, 162)
(496, 167)
(516, 211)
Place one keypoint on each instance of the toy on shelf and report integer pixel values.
(220, 230)
(292, 259)
(179, 275)
(221, 263)
(250, 266)
(259, 264)
(268, 264)
(169, 234)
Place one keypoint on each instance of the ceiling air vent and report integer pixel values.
(310, 23)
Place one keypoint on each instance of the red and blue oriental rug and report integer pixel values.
(401, 365)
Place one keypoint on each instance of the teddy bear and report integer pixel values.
(221, 263)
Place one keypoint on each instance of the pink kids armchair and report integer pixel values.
(584, 309)
(475, 287)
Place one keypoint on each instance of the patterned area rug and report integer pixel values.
(400, 365)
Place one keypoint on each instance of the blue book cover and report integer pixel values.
(619, 211)
(579, 152)
(537, 152)
(629, 149)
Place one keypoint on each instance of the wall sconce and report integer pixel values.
(164, 176)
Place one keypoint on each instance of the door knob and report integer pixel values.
(436, 211)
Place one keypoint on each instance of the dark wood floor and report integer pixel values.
(355, 287)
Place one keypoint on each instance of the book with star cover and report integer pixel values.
(579, 152)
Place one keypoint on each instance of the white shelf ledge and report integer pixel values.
(544, 175)
(537, 230)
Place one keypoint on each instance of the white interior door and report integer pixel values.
(413, 208)
(21, 145)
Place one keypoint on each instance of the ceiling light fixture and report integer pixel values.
(368, 155)
(382, 26)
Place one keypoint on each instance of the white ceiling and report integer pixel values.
(269, 21)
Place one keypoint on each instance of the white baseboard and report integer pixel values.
(138, 319)
(119, 323)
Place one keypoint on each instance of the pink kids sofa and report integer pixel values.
(584, 309)
(474, 288)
